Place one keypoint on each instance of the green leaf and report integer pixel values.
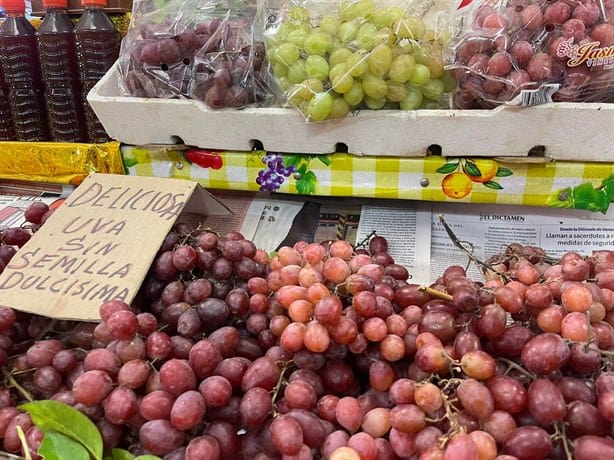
(56, 446)
(121, 454)
(307, 184)
(130, 162)
(325, 159)
(607, 184)
(503, 172)
(586, 197)
(493, 185)
(49, 415)
(448, 168)
(603, 203)
(292, 160)
(472, 169)
(147, 457)
(302, 169)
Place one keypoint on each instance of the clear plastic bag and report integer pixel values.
(526, 52)
(334, 57)
(202, 50)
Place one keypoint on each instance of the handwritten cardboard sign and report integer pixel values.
(99, 244)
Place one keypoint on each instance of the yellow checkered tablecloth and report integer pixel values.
(582, 185)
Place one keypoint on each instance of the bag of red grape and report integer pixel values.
(334, 57)
(529, 52)
(206, 50)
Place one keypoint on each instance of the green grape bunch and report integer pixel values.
(360, 57)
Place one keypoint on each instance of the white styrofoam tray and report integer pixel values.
(567, 131)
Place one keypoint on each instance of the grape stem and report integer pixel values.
(187, 236)
(455, 426)
(435, 293)
(24, 443)
(13, 383)
(280, 381)
(364, 242)
(561, 434)
(47, 328)
(459, 244)
(513, 365)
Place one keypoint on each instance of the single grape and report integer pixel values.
(120, 405)
(177, 377)
(528, 442)
(35, 211)
(188, 410)
(348, 413)
(159, 437)
(286, 434)
(546, 403)
(545, 353)
(91, 387)
(255, 406)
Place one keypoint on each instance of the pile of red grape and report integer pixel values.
(519, 45)
(326, 351)
(12, 238)
(217, 61)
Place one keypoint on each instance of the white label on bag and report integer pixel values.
(541, 95)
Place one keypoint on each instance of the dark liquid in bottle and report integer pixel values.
(98, 43)
(19, 59)
(59, 66)
(7, 130)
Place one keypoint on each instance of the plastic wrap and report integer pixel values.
(332, 58)
(527, 52)
(205, 50)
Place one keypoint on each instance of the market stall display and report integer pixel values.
(321, 349)
(328, 350)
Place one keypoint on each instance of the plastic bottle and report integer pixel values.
(21, 67)
(98, 42)
(58, 60)
(7, 130)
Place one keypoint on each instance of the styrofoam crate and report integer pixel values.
(566, 131)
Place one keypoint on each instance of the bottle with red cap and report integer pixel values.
(98, 42)
(58, 58)
(21, 68)
(7, 130)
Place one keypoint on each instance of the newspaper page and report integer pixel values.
(487, 229)
(406, 225)
(240, 203)
(269, 219)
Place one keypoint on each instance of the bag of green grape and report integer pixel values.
(334, 57)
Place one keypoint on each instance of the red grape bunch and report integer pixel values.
(329, 351)
(217, 61)
(518, 45)
(12, 238)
